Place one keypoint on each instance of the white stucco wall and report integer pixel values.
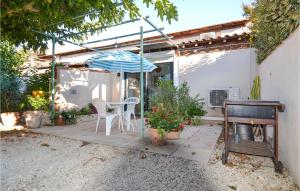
(280, 80)
(80, 87)
(218, 70)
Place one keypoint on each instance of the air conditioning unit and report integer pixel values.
(216, 97)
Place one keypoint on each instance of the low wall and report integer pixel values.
(280, 80)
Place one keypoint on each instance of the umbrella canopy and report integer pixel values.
(119, 61)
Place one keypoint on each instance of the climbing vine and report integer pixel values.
(272, 22)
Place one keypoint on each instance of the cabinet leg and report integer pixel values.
(278, 166)
(224, 157)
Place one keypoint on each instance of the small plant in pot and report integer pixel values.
(163, 125)
(172, 107)
(65, 117)
(34, 107)
(10, 98)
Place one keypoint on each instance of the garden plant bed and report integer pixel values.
(66, 164)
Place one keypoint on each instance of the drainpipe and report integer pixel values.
(52, 77)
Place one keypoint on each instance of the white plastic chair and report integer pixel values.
(101, 110)
(131, 102)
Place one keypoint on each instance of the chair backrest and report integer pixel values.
(100, 106)
(131, 103)
(135, 100)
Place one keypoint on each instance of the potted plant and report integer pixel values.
(171, 108)
(57, 119)
(34, 107)
(65, 117)
(164, 124)
(10, 96)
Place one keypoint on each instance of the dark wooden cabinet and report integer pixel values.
(255, 113)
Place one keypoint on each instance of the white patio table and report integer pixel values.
(119, 106)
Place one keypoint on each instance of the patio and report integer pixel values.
(33, 161)
(195, 143)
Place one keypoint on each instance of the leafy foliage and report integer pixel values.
(164, 119)
(85, 111)
(20, 18)
(39, 82)
(178, 99)
(189, 106)
(11, 60)
(35, 103)
(272, 22)
(166, 95)
(196, 121)
(171, 106)
(71, 116)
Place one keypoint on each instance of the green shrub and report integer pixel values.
(70, 117)
(272, 22)
(196, 121)
(35, 103)
(85, 111)
(164, 119)
(189, 106)
(178, 99)
(10, 63)
(39, 82)
(171, 106)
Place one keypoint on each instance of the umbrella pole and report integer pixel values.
(142, 78)
(121, 88)
(52, 78)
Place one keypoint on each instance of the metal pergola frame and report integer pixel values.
(83, 45)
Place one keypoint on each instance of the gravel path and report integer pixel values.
(39, 162)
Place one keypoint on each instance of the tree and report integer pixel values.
(11, 60)
(20, 18)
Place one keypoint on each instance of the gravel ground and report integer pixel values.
(39, 162)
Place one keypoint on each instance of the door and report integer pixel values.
(164, 71)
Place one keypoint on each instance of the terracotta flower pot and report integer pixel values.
(10, 119)
(173, 135)
(156, 138)
(33, 119)
(60, 121)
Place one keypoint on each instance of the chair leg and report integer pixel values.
(135, 123)
(97, 125)
(128, 121)
(121, 120)
(108, 125)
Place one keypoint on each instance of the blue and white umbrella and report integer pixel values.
(119, 61)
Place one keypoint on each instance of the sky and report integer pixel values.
(191, 14)
(198, 13)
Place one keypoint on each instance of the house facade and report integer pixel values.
(204, 58)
